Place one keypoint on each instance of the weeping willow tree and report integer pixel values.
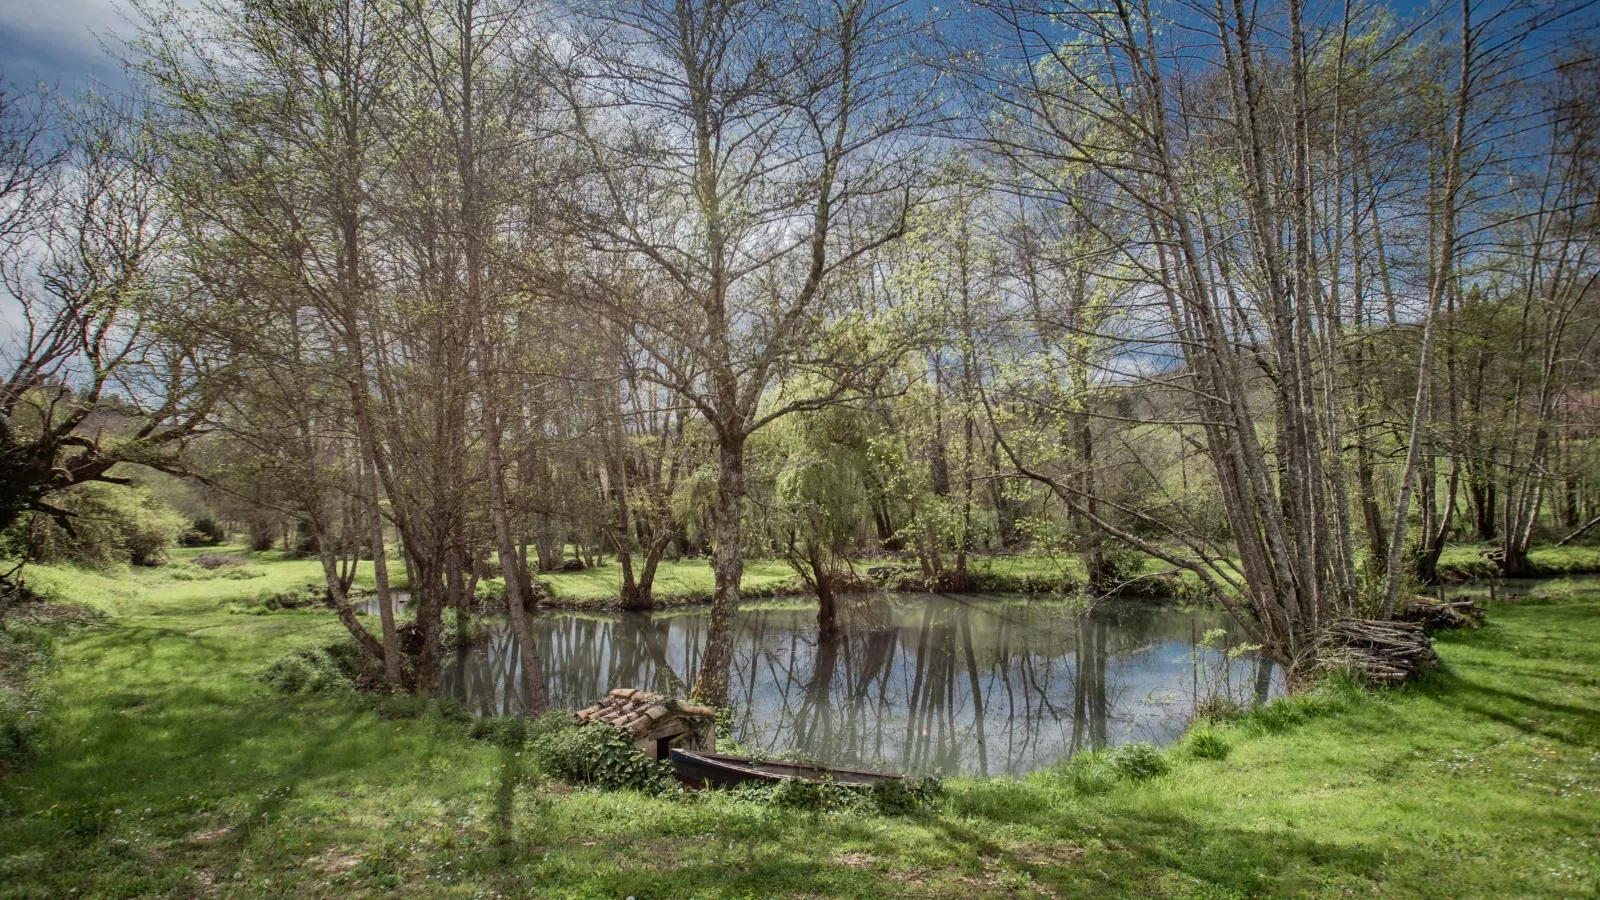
(820, 498)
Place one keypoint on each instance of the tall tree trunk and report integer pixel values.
(510, 570)
(822, 578)
(711, 682)
(392, 669)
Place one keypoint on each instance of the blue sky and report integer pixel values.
(54, 42)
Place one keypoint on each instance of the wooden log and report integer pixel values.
(1436, 615)
(1378, 651)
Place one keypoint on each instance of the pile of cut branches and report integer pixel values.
(1441, 615)
(1379, 652)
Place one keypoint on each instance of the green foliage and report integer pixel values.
(313, 670)
(906, 796)
(1090, 772)
(213, 561)
(1218, 708)
(505, 731)
(515, 731)
(204, 532)
(1099, 771)
(111, 524)
(1207, 743)
(1334, 694)
(1118, 565)
(1138, 761)
(303, 596)
(601, 756)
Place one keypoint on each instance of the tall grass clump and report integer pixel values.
(1207, 743)
(1098, 771)
(1334, 694)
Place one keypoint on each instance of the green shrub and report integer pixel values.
(514, 731)
(1090, 773)
(1218, 708)
(1138, 761)
(204, 532)
(294, 673)
(1119, 565)
(449, 709)
(313, 670)
(1207, 743)
(907, 795)
(506, 731)
(303, 597)
(21, 724)
(112, 524)
(890, 798)
(401, 706)
(1098, 771)
(599, 755)
(241, 573)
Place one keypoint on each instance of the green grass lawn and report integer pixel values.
(168, 769)
(683, 578)
(269, 572)
(1462, 561)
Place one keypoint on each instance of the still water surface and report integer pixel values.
(922, 683)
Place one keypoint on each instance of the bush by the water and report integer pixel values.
(1334, 693)
(1207, 743)
(599, 755)
(1138, 761)
(506, 731)
(402, 705)
(1218, 708)
(1099, 771)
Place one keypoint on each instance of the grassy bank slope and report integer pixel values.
(169, 769)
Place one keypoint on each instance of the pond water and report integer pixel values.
(920, 683)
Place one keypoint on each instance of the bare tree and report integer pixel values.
(757, 136)
(95, 376)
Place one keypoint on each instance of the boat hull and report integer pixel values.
(721, 770)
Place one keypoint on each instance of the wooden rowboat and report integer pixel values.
(720, 770)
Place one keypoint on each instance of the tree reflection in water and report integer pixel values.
(965, 684)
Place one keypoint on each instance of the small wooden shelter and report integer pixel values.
(656, 723)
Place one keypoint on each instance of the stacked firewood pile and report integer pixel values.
(1380, 652)
(1441, 615)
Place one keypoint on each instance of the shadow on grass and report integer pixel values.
(1149, 848)
(505, 797)
(1566, 723)
(186, 751)
(141, 641)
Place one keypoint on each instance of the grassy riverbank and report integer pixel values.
(167, 767)
(1465, 562)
